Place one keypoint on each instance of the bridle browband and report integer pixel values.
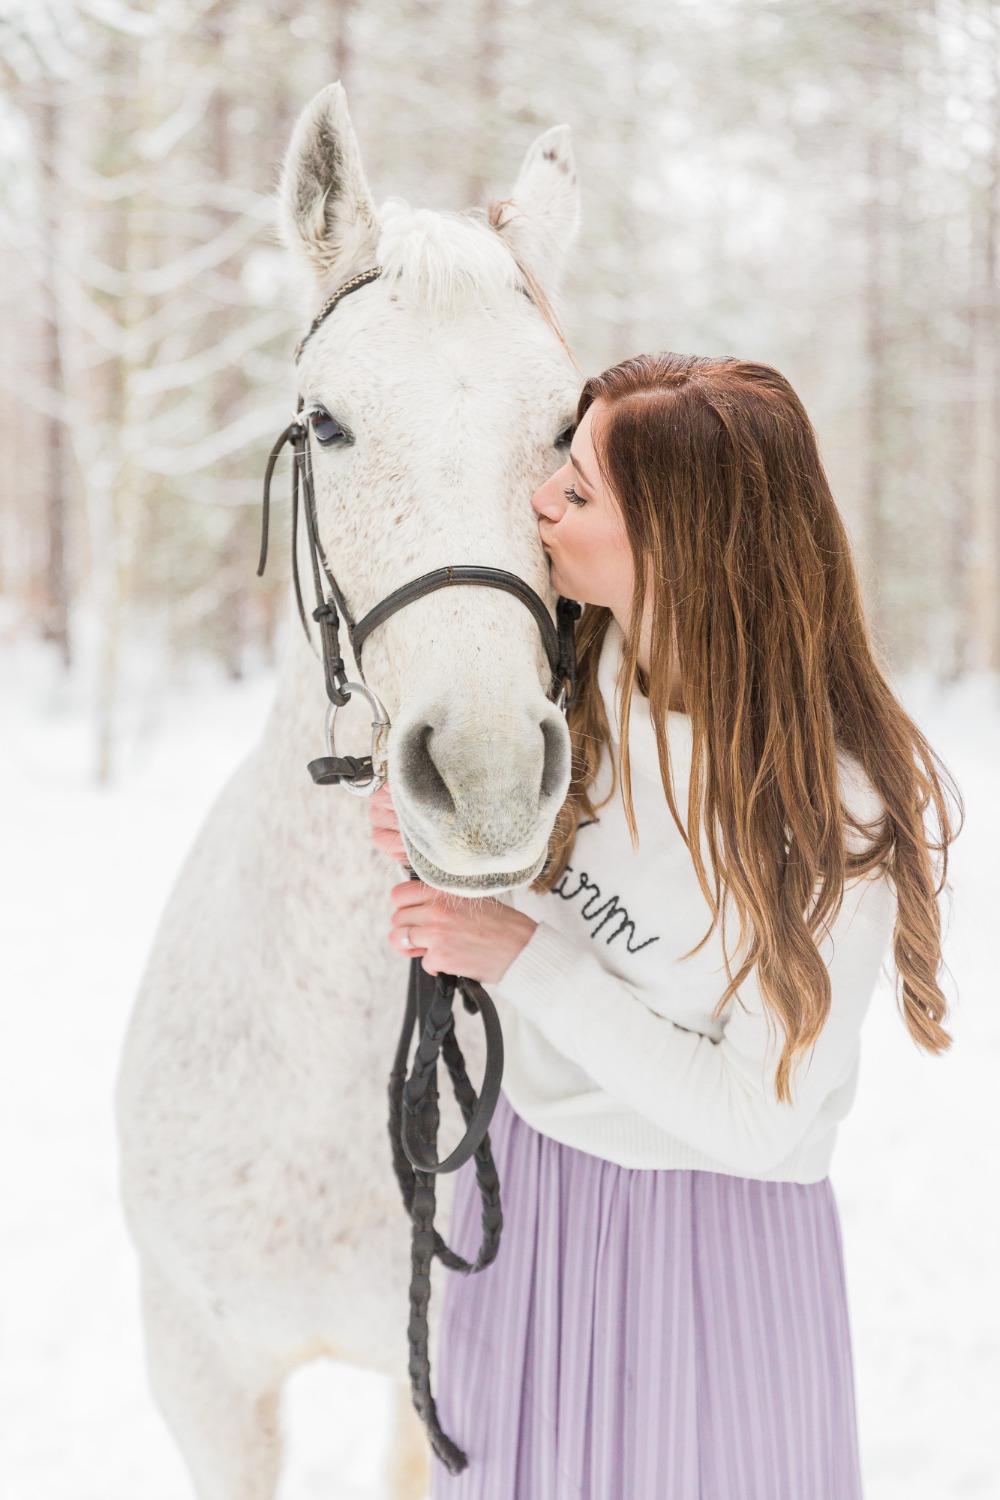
(413, 1108)
(348, 286)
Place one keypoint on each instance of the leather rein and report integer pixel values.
(413, 1101)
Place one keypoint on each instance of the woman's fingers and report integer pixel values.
(390, 842)
(381, 810)
(398, 940)
(385, 825)
(413, 905)
(412, 893)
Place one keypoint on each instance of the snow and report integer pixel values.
(86, 875)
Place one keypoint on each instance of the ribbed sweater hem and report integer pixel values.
(631, 1141)
(542, 976)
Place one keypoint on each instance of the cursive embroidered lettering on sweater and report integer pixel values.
(611, 1044)
(573, 885)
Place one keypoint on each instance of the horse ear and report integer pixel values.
(327, 216)
(541, 218)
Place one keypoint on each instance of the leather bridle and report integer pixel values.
(413, 1110)
(364, 775)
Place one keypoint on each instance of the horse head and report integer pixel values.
(439, 395)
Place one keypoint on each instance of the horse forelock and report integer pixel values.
(447, 260)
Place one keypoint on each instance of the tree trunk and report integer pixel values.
(875, 418)
(342, 42)
(55, 620)
(487, 61)
(991, 330)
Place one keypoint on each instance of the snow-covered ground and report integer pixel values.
(85, 873)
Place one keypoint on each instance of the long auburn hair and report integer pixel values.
(716, 470)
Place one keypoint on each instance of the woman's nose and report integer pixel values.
(545, 500)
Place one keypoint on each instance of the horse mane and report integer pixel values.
(451, 259)
(447, 258)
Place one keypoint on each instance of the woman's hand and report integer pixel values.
(385, 826)
(475, 938)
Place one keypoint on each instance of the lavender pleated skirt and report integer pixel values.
(645, 1335)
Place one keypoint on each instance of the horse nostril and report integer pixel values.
(554, 760)
(424, 782)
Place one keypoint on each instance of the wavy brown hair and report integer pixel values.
(715, 468)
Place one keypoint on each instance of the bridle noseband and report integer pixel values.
(413, 1109)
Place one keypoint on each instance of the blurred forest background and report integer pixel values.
(811, 183)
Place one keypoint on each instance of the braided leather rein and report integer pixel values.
(414, 1116)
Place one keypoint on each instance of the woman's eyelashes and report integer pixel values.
(573, 497)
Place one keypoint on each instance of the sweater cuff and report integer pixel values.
(540, 969)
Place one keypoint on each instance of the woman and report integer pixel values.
(667, 1316)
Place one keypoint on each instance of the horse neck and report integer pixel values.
(313, 843)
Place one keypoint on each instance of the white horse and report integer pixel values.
(252, 1099)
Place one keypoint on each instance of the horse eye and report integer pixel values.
(326, 429)
(566, 436)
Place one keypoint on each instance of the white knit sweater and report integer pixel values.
(609, 1041)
